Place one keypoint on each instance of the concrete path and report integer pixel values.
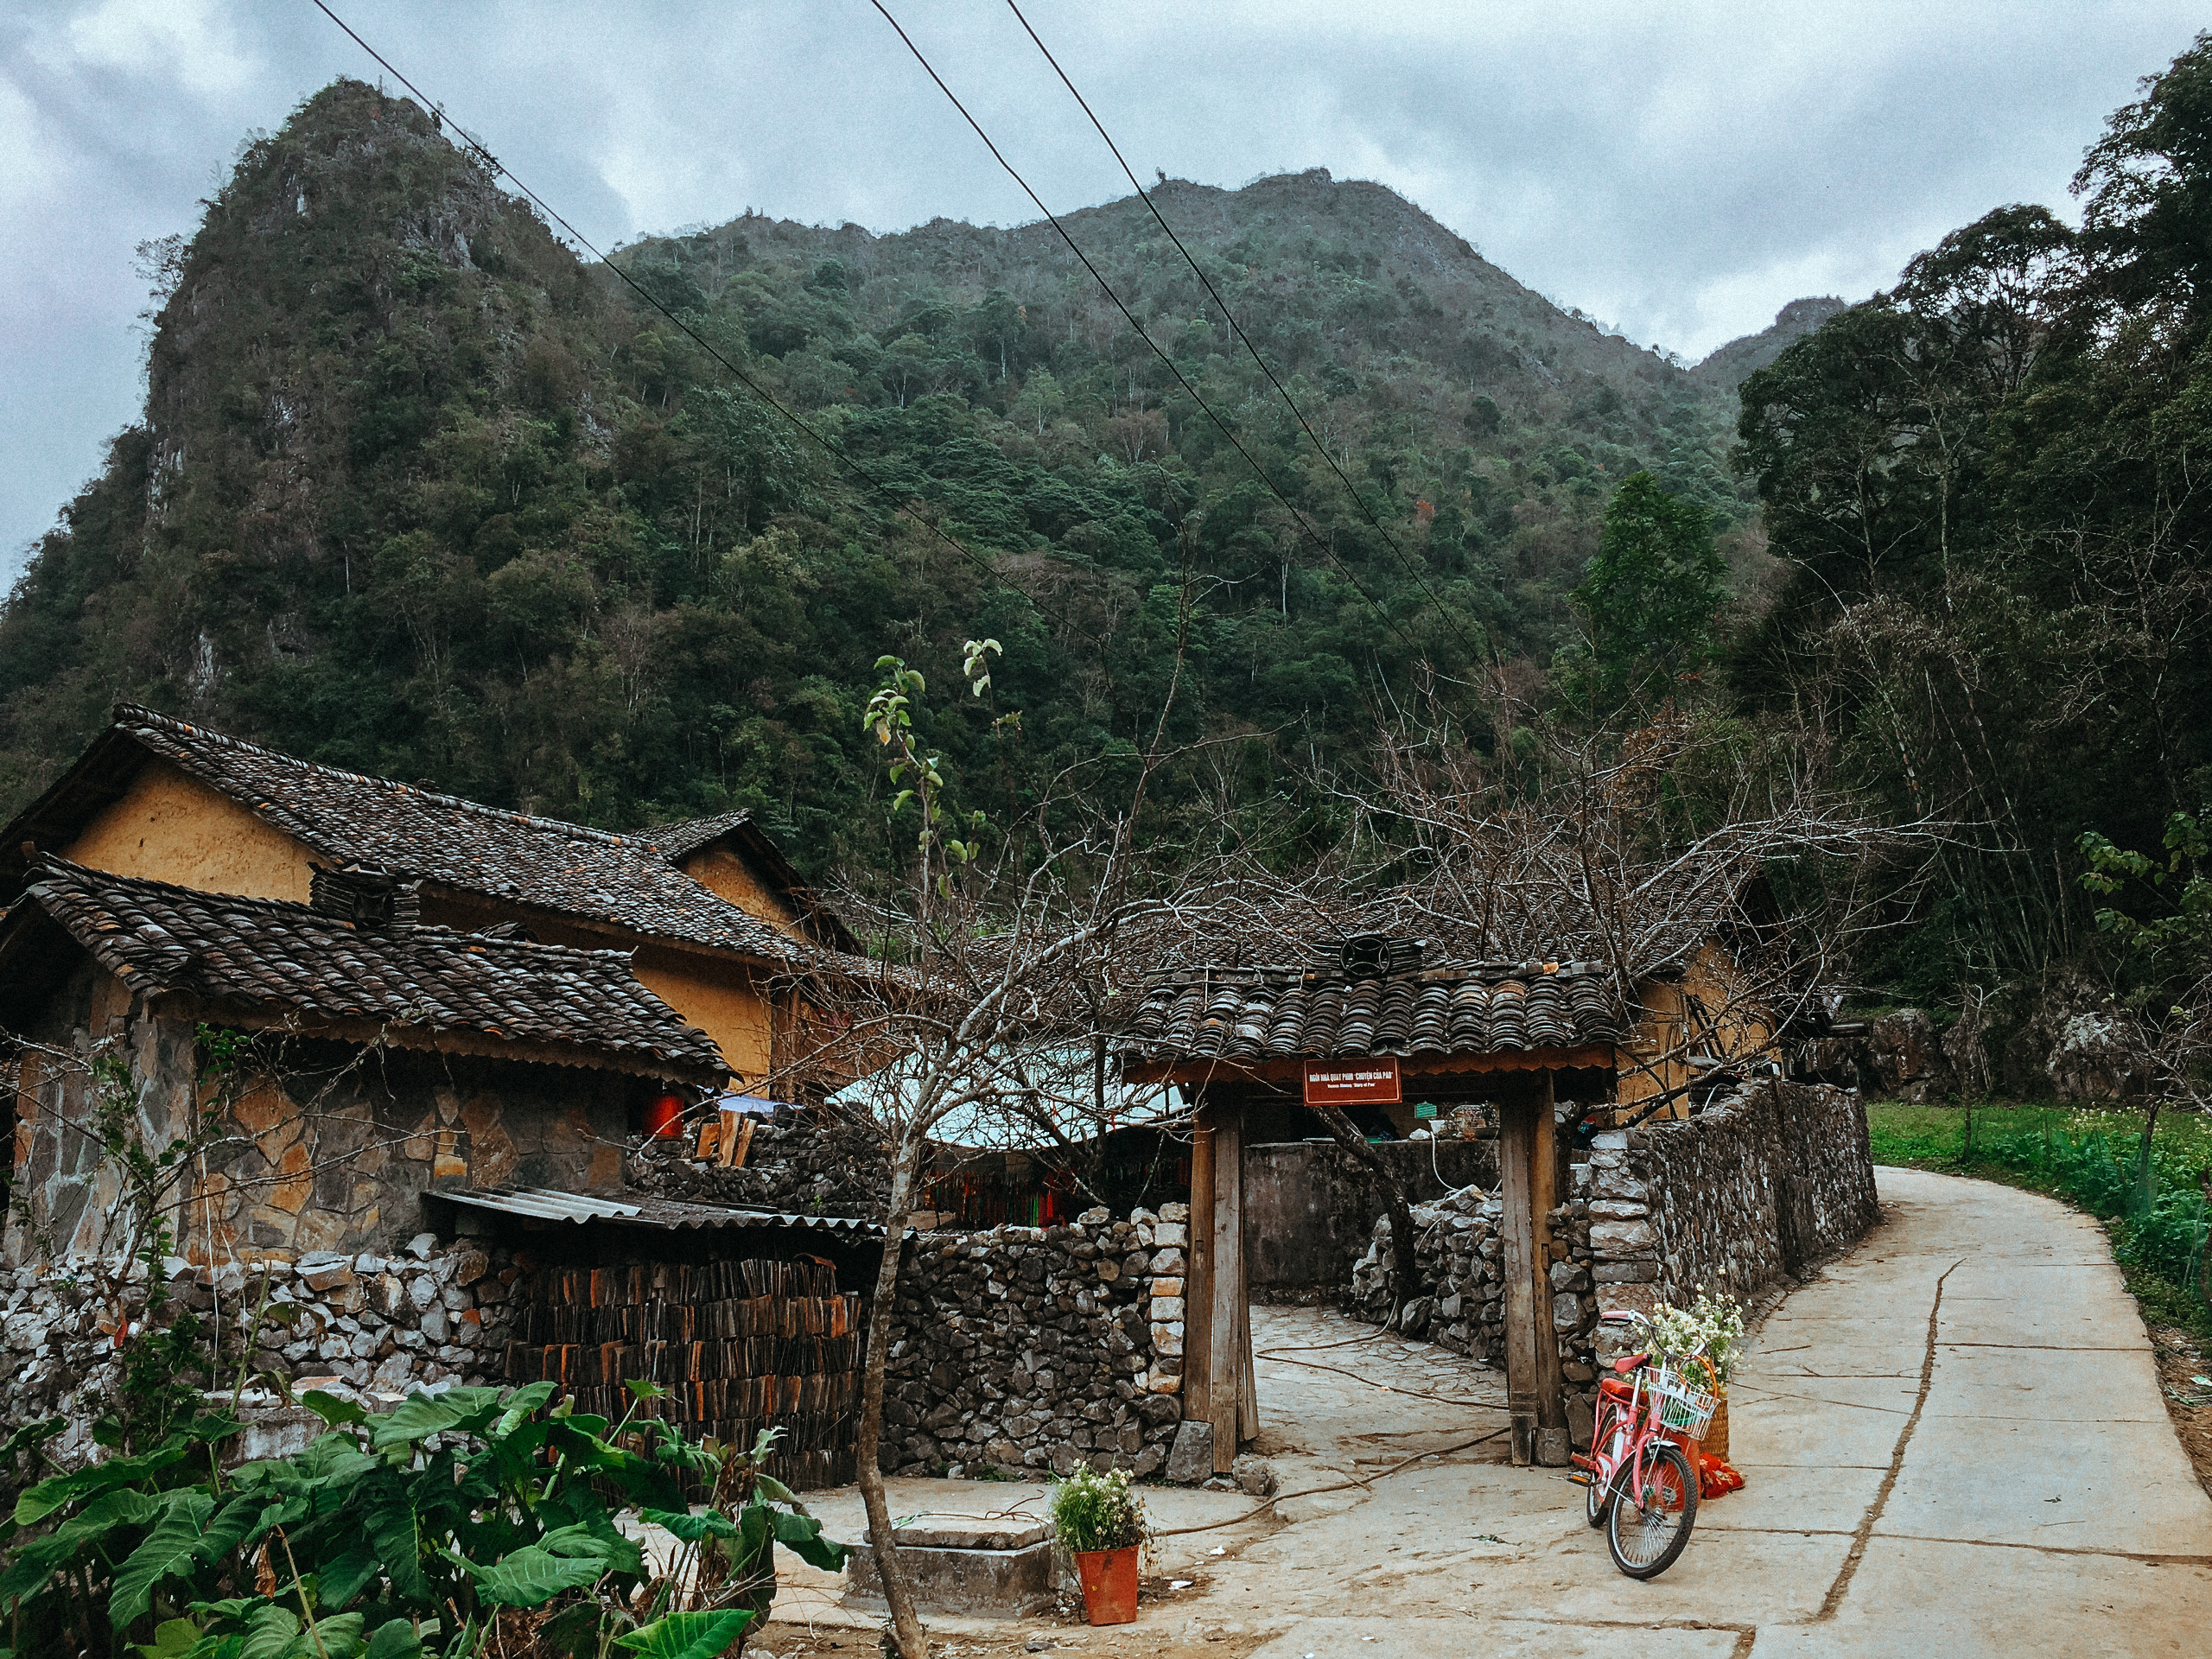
(1954, 1442)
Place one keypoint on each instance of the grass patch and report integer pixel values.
(2091, 1158)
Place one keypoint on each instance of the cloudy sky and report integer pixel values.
(1679, 170)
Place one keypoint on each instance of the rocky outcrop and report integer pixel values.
(1902, 1058)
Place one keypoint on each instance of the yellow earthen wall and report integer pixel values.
(1713, 981)
(170, 827)
(722, 873)
(722, 1001)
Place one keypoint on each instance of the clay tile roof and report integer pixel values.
(564, 868)
(1248, 1014)
(282, 957)
(678, 841)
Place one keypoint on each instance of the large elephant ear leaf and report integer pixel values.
(529, 1577)
(397, 1639)
(170, 1549)
(333, 1410)
(414, 1419)
(173, 1639)
(583, 1542)
(62, 1490)
(689, 1527)
(687, 1635)
(396, 1530)
(802, 1536)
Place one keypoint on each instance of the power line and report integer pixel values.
(829, 445)
(1107, 287)
(1237, 328)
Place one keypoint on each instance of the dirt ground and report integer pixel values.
(2184, 1367)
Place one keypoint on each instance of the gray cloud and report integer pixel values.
(1679, 170)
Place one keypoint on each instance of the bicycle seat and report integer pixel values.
(1628, 1363)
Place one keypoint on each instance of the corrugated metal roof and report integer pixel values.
(667, 1215)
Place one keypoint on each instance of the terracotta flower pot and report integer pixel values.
(1109, 1585)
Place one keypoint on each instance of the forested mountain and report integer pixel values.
(418, 492)
(1737, 361)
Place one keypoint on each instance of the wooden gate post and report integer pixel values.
(1197, 1282)
(1227, 1341)
(1517, 1133)
(1553, 1443)
(1528, 1180)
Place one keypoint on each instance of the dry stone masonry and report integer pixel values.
(1460, 1304)
(1763, 1186)
(1040, 1347)
(383, 1325)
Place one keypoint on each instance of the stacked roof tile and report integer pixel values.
(288, 958)
(451, 842)
(1251, 1014)
(678, 841)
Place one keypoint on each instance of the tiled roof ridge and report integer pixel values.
(133, 714)
(678, 836)
(276, 953)
(86, 876)
(1315, 973)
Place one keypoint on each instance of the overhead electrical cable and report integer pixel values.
(897, 498)
(1412, 566)
(1129, 317)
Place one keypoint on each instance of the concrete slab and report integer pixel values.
(1494, 1638)
(2114, 1486)
(1919, 1598)
(1818, 1421)
(2048, 1385)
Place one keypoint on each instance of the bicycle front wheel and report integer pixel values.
(1597, 1497)
(1646, 1537)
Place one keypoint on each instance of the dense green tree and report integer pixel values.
(417, 493)
(1652, 594)
(1985, 485)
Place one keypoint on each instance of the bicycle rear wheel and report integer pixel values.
(1645, 1538)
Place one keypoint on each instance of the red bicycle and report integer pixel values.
(1642, 1477)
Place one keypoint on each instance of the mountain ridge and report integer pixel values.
(419, 495)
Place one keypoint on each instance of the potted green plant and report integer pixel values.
(1098, 1520)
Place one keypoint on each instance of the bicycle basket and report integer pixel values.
(1680, 1404)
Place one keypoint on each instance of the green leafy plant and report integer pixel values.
(1092, 1511)
(440, 1528)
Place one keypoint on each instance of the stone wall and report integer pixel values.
(381, 1324)
(1460, 1299)
(1763, 1185)
(804, 1166)
(1310, 1206)
(1039, 1348)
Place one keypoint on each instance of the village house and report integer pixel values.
(713, 916)
(288, 1078)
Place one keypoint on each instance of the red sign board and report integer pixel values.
(1353, 1082)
